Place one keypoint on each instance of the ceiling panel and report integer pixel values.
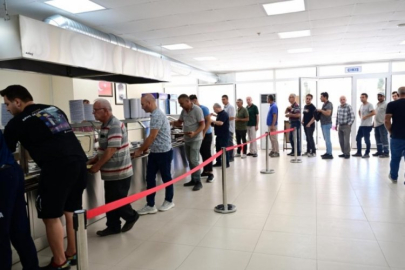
(328, 13)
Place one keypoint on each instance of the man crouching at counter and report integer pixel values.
(160, 157)
(113, 160)
(46, 134)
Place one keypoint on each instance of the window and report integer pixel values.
(295, 73)
(398, 67)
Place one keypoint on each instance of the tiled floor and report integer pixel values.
(325, 215)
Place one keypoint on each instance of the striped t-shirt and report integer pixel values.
(114, 135)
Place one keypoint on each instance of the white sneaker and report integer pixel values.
(147, 210)
(306, 154)
(166, 206)
(243, 156)
(236, 155)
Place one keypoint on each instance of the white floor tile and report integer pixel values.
(344, 228)
(272, 262)
(291, 224)
(394, 253)
(344, 266)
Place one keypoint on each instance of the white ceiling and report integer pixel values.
(240, 34)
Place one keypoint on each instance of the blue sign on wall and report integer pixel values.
(353, 69)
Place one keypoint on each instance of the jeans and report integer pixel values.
(241, 137)
(309, 134)
(230, 143)
(159, 162)
(14, 224)
(344, 138)
(381, 138)
(326, 136)
(115, 190)
(193, 157)
(205, 151)
(363, 132)
(219, 143)
(397, 152)
(252, 136)
(297, 125)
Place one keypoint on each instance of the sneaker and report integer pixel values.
(377, 154)
(237, 155)
(393, 180)
(357, 155)
(327, 157)
(311, 155)
(50, 266)
(106, 232)
(147, 210)
(275, 155)
(243, 156)
(254, 155)
(210, 178)
(384, 156)
(366, 156)
(71, 259)
(342, 155)
(306, 154)
(129, 224)
(189, 184)
(197, 186)
(166, 206)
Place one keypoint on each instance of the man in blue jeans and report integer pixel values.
(293, 113)
(326, 123)
(160, 157)
(380, 132)
(14, 225)
(396, 113)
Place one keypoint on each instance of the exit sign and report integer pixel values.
(353, 69)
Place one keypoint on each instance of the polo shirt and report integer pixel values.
(241, 113)
(191, 121)
(163, 141)
(253, 112)
(222, 131)
(273, 109)
(230, 110)
(206, 113)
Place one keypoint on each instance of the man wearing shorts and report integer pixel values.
(45, 133)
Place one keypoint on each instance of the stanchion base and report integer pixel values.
(221, 209)
(296, 161)
(267, 171)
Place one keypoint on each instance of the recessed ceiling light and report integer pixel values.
(206, 58)
(181, 46)
(284, 7)
(401, 25)
(303, 50)
(75, 6)
(295, 34)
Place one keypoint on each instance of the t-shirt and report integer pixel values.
(206, 113)
(309, 114)
(222, 131)
(273, 109)
(397, 109)
(379, 118)
(327, 106)
(295, 109)
(6, 158)
(253, 112)
(241, 113)
(191, 121)
(45, 133)
(366, 110)
(230, 110)
(114, 135)
(162, 142)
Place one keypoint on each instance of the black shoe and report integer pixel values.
(324, 155)
(107, 232)
(357, 155)
(197, 186)
(71, 259)
(189, 184)
(347, 156)
(65, 266)
(377, 154)
(204, 174)
(384, 156)
(327, 157)
(129, 224)
(290, 154)
(366, 156)
(342, 155)
(254, 155)
(250, 154)
(217, 165)
(210, 178)
(231, 160)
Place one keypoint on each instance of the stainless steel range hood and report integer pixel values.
(31, 45)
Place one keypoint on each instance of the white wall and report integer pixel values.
(62, 93)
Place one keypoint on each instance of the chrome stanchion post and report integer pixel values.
(267, 170)
(80, 226)
(295, 160)
(224, 208)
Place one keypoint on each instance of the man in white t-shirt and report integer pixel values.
(366, 114)
(230, 110)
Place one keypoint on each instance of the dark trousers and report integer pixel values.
(219, 143)
(364, 132)
(309, 134)
(205, 151)
(115, 190)
(14, 224)
(381, 138)
(397, 152)
(241, 137)
(230, 143)
(159, 162)
(297, 125)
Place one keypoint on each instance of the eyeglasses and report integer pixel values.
(94, 110)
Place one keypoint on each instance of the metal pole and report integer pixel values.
(224, 208)
(267, 170)
(295, 160)
(80, 226)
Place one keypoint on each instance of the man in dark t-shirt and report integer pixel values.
(221, 129)
(396, 112)
(308, 122)
(45, 133)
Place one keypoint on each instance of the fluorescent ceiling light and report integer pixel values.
(75, 6)
(177, 47)
(295, 34)
(303, 50)
(206, 58)
(284, 7)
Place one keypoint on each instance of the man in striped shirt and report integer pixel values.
(113, 160)
(344, 121)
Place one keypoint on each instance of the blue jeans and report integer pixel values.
(397, 152)
(297, 126)
(159, 162)
(326, 136)
(364, 132)
(381, 138)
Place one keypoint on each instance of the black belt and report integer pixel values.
(5, 166)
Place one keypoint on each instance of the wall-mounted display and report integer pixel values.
(120, 93)
(105, 89)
